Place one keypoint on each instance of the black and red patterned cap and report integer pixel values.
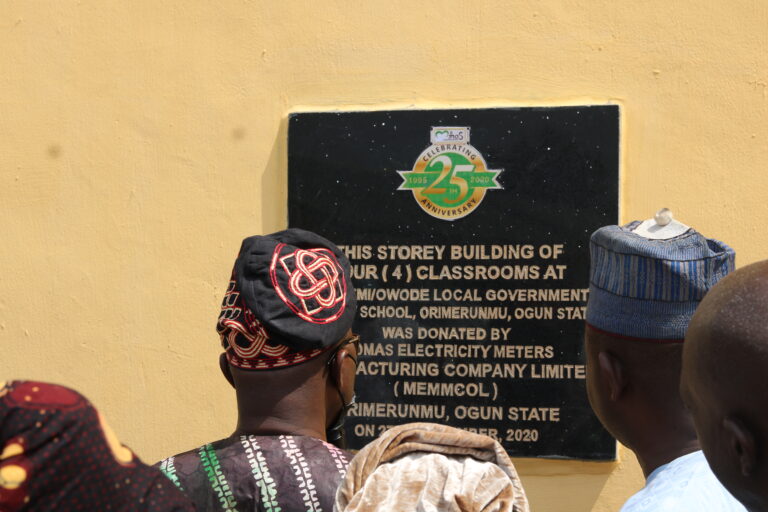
(289, 300)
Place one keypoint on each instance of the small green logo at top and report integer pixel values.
(450, 177)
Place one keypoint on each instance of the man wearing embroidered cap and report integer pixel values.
(642, 295)
(288, 350)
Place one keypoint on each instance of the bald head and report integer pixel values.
(732, 319)
(725, 365)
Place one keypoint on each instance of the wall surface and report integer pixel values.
(140, 141)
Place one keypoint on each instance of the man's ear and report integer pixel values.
(225, 369)
(343, 373)
(741, 444)
(612, 374)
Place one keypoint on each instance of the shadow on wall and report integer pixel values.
(581, 486)
(578, 490)
(274, 183)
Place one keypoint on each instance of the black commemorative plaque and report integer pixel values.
(468, 233)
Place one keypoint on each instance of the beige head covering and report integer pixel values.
(430, 467)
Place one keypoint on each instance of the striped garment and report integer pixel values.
(260, 473)
(649, 289)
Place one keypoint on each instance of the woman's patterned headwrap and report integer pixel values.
(58, 453)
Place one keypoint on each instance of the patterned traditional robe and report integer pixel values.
(260, 473)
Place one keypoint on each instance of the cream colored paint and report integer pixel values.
(140, 141)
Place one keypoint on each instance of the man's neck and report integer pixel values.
(270, 426)
(291, 414)
(656, 451)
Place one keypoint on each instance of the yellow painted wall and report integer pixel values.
(141, 140)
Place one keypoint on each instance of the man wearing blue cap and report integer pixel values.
(289, 352)
(643, 293)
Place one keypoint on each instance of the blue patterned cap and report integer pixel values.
(649, 289)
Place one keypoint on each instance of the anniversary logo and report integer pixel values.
(450, 177)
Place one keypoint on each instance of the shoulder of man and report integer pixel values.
(240, 472)
(706, 492)
(198, 473)
(686, 484)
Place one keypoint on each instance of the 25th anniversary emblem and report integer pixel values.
(449, 178)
